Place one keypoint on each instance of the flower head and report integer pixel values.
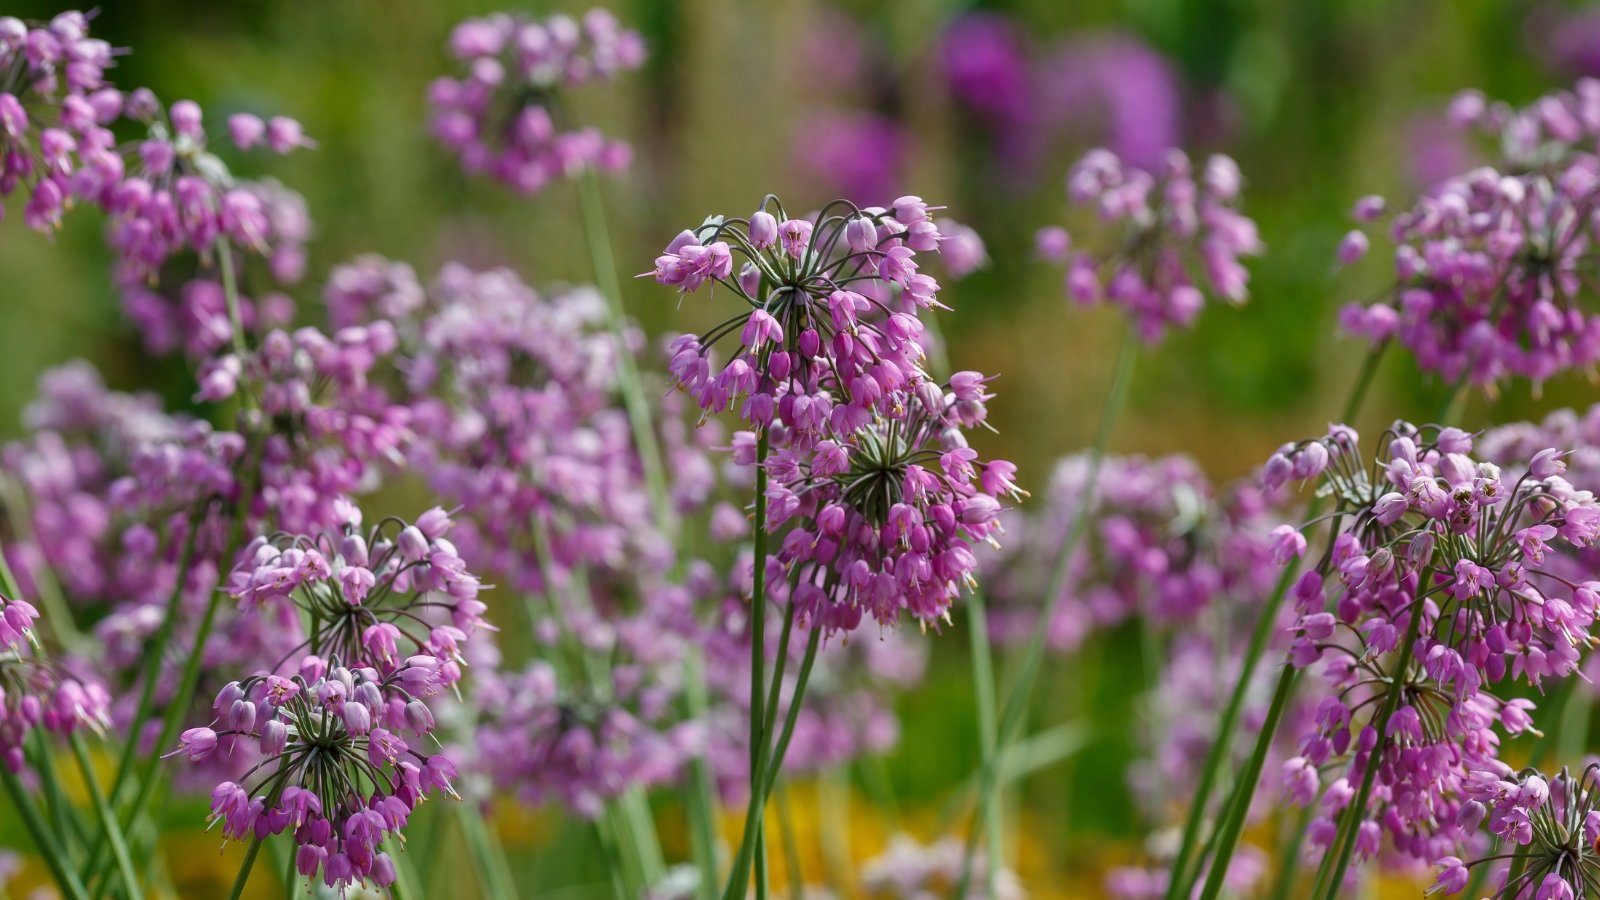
(506, 115)
(1175, 233)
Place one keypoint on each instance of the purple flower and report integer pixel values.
(1162, 222)
(504, 116)
(829, 322)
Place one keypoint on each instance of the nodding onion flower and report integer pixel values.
(828, 331)
(36, 692)
(1433, 591)
(881, 524)
(367, 597)
(335, 768)
(1552, 823)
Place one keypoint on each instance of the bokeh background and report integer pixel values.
(1319, 102)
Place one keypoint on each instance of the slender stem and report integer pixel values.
(108, 820)
(1240, 806)
(739, 878)
(642, 833)
(983, 688)
(1291, 852)
(775, 764)
(598, 238)
(1018, 698)
(230, 292)
(791, 846)
(701, 797)
(405, 880)
(613, 859)
(54, 857)
(756, 813)
(249, 863)
(155, 652)
(65, 817)
(1574, 737)
(493, 868)
(283, 855)
(1358, 809)
(1184, 874)
(178, 706)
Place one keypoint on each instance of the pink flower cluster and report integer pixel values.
(1490, 266)
(39, 693)
(507, 115)
(336, 770)
(54, 106)
(1439, 590)
(828, 333)
(1163, 543)
(1170, 233)
(880, 521)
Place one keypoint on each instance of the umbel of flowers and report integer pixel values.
(385, 616)
(1434, 592)
(36, 693)
(867, 495)
(1170, 234)
(1490, 266)
(505, 115)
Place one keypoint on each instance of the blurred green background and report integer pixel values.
(1320, 102)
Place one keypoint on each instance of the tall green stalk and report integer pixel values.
(1353, 815)
(983, 688)
(739, 878)
(178, 707)
(1018, 698)
(108, 820)
(243, 878)
(155, 652)
(43, 839)
(1186, 867)
(493, 867)
(700, 794)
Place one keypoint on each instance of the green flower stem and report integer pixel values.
(54, 858)
(230, 292)
(739, 878)
(749, 850)
(1018, 698)
(1292, 842)
(155, 652)
(494, 870)
(983, 688)
(791, 846)
(108, 820)
(701, 795)
(1239, 809)
(178, 707)
(613, 860)
(249, 863)
(1184, 874)
(1391, 703)
(701, 798)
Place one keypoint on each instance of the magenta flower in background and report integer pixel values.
(985, 62)
(36, 693)
(858, 154)
(1117, 82)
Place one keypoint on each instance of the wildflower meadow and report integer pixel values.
(697, 450)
